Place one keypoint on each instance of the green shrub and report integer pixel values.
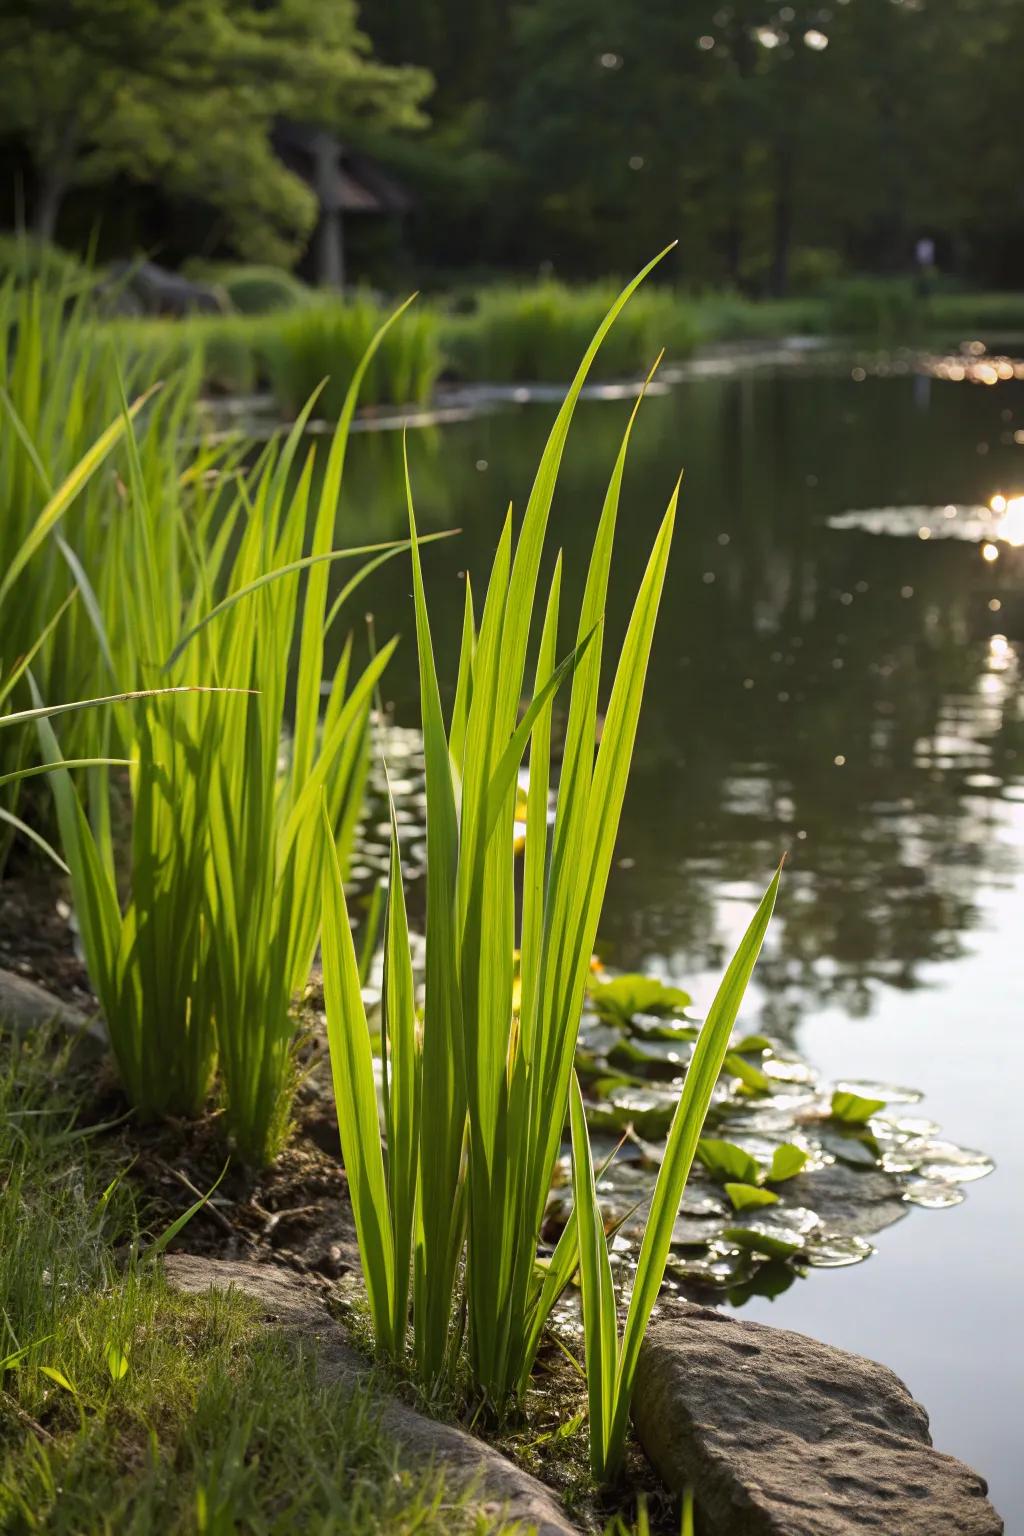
(200, 932)
(537, 334)
(26, 259)
(327, 340)
(733, 317)
(970, 313)
(253, 290)
(813, 269)
(222, 348)
(885, 309)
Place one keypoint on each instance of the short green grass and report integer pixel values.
(135, 1409)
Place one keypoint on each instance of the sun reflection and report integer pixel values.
(1010, 527)
(976, 370)
(1000, 653)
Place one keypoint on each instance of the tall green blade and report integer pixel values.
(311, 651)
(401, 1083)
(536, 855)
(684, 1133)
(569, 940)
(443, 1061)
(601, 1338)
(356, 1098)
(531, 539)
(65, 494)
(464, 686)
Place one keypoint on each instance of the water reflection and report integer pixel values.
(824, 690)
(852, 696)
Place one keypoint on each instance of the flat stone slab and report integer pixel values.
(496, 1486)
(781, 1435)
(25, 1006)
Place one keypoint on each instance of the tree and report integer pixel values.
(185, 95)
(585, 132)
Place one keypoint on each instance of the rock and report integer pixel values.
(781, 1435)
(496, 1486)
(142, 287)
(25, 1006)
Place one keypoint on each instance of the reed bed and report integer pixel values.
(292, 352)
(477, 1091)
(62, 469)
(537, 333)
(208, 578)
(326, 340)
(246, 756)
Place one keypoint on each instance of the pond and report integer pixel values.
(850, 694)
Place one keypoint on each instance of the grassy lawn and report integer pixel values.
(128, 1408)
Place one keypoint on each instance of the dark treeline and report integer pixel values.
(784, 144)
(775, 139)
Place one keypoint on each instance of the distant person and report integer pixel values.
(924, 255)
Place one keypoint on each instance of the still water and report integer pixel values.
(851, 697)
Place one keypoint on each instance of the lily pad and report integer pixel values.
(859, 1149)
(747, 1196)
(852, 1108)
(836, 1250)
(777, 1243)
(665, 1058)
(626, 996)
(750, 1076)
(787, 1161)
(753, 1045)
(727, 1161)
(933, 1195)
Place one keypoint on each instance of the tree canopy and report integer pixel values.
(778, 139)
(758, 131)
(185, 94)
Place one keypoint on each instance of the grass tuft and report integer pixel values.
(127, 1408)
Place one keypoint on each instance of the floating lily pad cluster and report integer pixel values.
(792, 1173)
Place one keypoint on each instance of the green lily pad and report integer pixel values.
(628, 995)
(775, 1243)
(850, 1146)
(753, 1045)
(745, 1196)
(750, 1076)
(852, 1109)
(787, 1162)
(650, 1027)
(727, 1161)
(648, 1107)
(836, 1250)
(667, 1058)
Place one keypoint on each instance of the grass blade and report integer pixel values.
(356, 1097)
(597, 1289)
(62, 498)
(684, 1133)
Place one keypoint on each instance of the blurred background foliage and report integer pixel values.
(785, 144)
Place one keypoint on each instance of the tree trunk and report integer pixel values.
(330, 248)
(54, 180)
(52, 187)
(782, 230)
